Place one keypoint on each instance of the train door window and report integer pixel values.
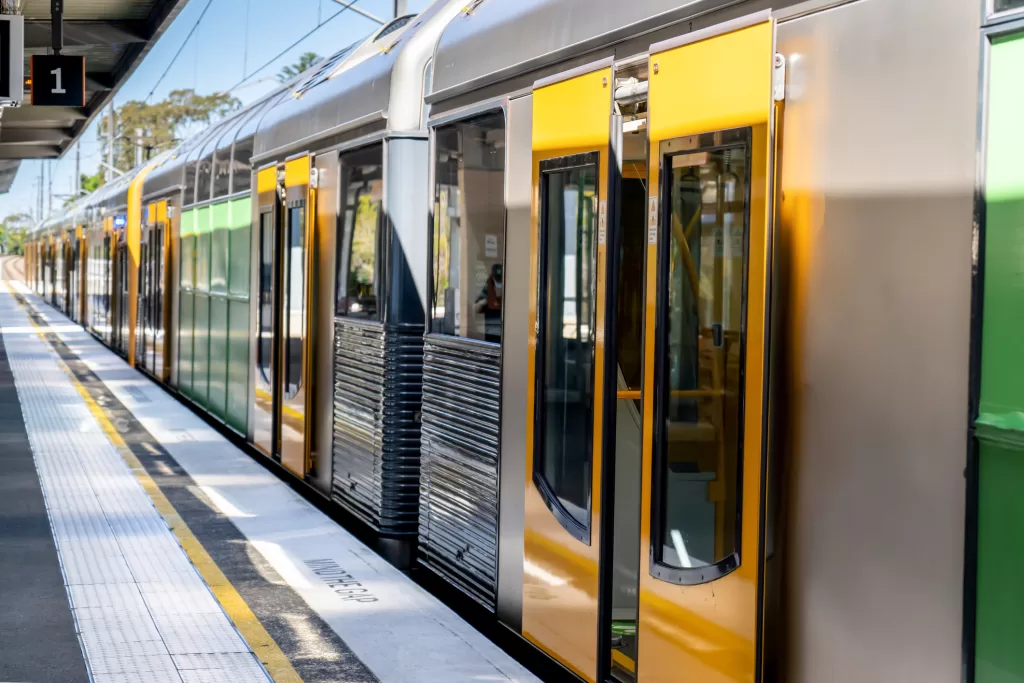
(565, 353)
(265, 312)
(699, 398)
(359, 249)
(293, 306)
(469, 228)
(158, 292)
(142, 307)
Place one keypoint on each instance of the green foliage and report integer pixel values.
(91, 183)
(12, 232)
(161, 125)
(306, 60)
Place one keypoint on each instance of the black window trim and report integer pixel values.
(490, 111)
(379, 257)
(266, 375)
(286, 294)
(702, 142)
(569, 523)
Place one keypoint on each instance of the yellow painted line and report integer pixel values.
(277, 664)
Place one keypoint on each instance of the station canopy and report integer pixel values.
(113, 35)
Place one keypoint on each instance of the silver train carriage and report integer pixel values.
(646, 325)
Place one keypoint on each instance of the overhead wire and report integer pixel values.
(180, 49)
(285, 51)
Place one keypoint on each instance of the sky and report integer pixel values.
(231, 47)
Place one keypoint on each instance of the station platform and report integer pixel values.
(138, 544)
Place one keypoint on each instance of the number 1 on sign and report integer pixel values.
(57, 90)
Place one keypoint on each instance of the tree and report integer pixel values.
(12, 232)
(91, 183)
(306, 61)
(160, 126)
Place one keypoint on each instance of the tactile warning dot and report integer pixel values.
(198, 633)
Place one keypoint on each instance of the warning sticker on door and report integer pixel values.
(602, 223)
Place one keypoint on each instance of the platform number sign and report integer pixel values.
(58, 81)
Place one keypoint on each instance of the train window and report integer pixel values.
(222, 173)
(1007, 5)
(265, 310)
(204, 173)
(241, 172)
(359, 249)
(699, 395)
(190, 183)
(469, 228)
(294, 304)
(565, 348)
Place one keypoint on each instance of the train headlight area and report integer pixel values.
(673, 343)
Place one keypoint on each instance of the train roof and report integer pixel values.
(378, 87)
(498, 40)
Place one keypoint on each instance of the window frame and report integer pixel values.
(266, 373)
(379, 255)
(580, 532)
(286, 302)
(691, 576)
(435, 206)
(993, 16)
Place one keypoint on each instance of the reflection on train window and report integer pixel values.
(265, 312)
(469, 228)
(294, 305)
(1007, 5)
(204, 173)
(359, 249)
(241, 178)
(568, 277)
(701, 320)
(222, 173)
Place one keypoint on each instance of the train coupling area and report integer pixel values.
(137, 544)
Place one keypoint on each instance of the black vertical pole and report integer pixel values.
(57, 25)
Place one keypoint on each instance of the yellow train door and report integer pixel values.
(282, 239)
(571, 123)
(704, 466)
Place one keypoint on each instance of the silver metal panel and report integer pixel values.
(573, 73)
(459, 454)
(501, 38)
(712, 31)
(407, 205)
(384, 78)
(515, 353)
(873, 287)
(376, 441)
(327, 209)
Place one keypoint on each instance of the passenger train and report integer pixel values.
(649, 326)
